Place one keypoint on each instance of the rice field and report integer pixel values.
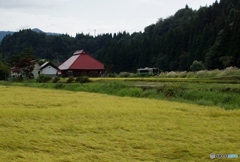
(56, 125)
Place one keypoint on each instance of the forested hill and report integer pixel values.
(210, 35)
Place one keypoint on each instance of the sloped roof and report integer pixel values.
(81, 61)
(46, 64)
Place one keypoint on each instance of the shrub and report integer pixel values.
(181, 74)
(112, 75)
(172, 74)
(230, 71)
(43, 78)
(150, 93)
(56, 79)
(124, 74)
(82, 79)
(70, 80)
(17, 78)
(197, 66)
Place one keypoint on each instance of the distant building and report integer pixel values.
(81, 64)
(147, 71)
(17, 71)
(48, 69)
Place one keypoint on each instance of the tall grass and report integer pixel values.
(222, 95)
(226, 100)
(228, 72)
(52, 125)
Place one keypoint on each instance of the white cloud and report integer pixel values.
(75, 16)
(15, 4)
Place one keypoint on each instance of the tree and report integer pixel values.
(4, 70)
(197, 66)
(26, 65)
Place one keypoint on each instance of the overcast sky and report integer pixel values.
(88, 16)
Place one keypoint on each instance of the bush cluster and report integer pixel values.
(82, 79)
(17, 79)
(197, 66)
(124, 74)
(70, 80)
(43, 79)
(112, 75)
(56, 79)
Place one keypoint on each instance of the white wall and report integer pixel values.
(35, 70)
(49, 70)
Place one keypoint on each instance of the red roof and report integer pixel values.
(81, 61)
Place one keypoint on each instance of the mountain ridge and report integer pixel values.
(4, 33)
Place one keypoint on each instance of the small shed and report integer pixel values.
(148, 71)
(49, 69)
(81, 64)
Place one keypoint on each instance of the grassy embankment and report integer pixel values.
(51, 125)
(211, 92)
(212, 88)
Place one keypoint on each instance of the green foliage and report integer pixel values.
(181, 90)
(133, 92)
(82, 79)
(150, 93)
(17, 78)
(56, 79)
(171, 91)
(70, 80)
(124, 74)
(51, 47)
(59, 86)
(43, 78)
(197, 66)
(24, 63)
(112, 75)
(212, 98)
(174, 43)
(116, 85)
(4, 70)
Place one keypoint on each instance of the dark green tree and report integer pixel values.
(197, 66)
(4, 69)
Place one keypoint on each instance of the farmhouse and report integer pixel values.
(48, 69)
(81, 64)
(19, 71)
